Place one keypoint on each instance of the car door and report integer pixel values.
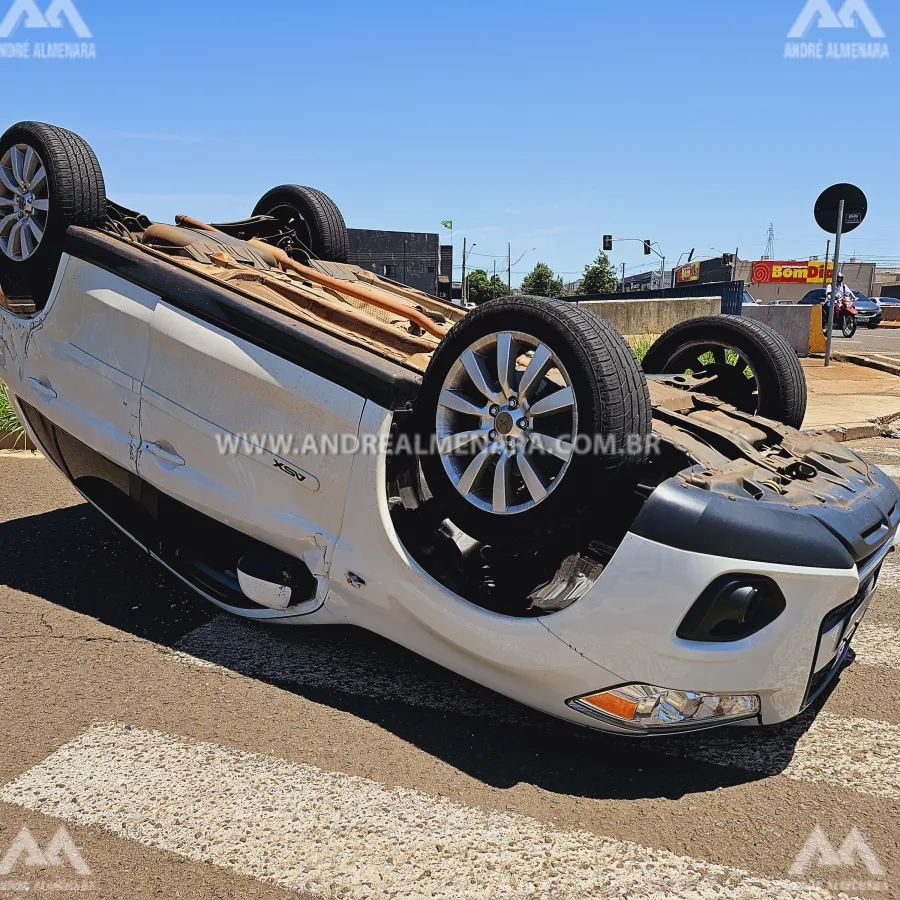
(85, 356)
(218, 414)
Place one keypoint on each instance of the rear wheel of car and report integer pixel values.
(532, 412)
(754, 367)
(49, 179)
(312, 218)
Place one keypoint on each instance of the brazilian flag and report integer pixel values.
(448, 225)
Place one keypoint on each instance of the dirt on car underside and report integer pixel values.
(399, 323)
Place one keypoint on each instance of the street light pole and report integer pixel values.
(462, 284)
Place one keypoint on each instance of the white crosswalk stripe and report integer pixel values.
(860, 755)
(856, 754)
(890, 571)
(877, 645)
(330, 833)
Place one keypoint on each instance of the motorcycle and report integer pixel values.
(844, 317)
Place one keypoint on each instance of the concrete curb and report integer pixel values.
(869, 363)
(12, 442)
(853, 431)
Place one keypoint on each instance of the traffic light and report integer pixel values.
(607, 243)
(647, 250)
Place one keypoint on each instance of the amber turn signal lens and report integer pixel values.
(615, 706)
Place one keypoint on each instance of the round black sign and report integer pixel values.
(855, 208)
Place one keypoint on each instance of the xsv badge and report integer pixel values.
(283, 467)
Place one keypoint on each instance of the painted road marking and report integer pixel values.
(325, 832)
(870, 452)
(890, 571)
(857, 754)
(861, 755)
(877, 645)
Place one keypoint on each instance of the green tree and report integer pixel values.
(479, 290)
(499, 287)
(541, 282)
(599, 277)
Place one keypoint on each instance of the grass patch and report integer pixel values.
(9, 421)
(640, 344)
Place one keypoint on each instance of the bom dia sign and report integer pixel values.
(688, 273)
(767, 271)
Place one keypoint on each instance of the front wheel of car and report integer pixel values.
(49, 179)
(532, 412)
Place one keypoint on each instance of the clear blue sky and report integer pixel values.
(543, 124)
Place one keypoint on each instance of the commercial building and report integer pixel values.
(769, 280)
(653, 280)
(887, 282)
(412, 258)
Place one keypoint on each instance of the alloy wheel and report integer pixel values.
(506, 421)
(24, 202)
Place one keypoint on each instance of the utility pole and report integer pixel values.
(494, 279)
(462, 287)
(622, 286)
(509, 267)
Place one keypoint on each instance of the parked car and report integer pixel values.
(889, 301)
(870, 314)
(749, 300)
(783, 303)
(641, 551)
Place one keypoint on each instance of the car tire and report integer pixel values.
(52, 178)
(573, 380)
(312, 216)
(777, 389)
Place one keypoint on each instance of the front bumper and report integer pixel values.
(839, 627)
(628, 622)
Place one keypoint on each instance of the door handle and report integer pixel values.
(170, 457)
(43, 389)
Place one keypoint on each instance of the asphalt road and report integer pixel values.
(187, 754)
(871, 340)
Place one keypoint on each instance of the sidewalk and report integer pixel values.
(850, 401)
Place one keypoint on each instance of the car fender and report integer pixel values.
(378, 586)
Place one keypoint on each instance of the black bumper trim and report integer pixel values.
(700, 521)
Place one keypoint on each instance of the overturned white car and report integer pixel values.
(505, 491)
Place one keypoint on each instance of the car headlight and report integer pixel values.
(648, 708)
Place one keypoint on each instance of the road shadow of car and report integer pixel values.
(96, 571)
